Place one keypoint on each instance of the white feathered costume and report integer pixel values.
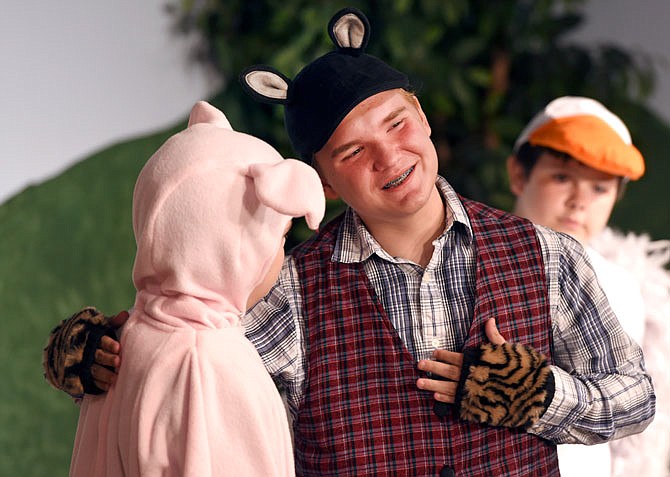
(646, 454)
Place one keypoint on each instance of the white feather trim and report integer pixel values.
(646, 454)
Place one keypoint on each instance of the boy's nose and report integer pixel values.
(386, 155)
(579, 196)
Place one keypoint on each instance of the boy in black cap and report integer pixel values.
(382, 327)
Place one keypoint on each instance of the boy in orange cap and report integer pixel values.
(569, 167)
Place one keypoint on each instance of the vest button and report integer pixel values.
(447, 472)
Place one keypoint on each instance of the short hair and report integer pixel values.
(527, 155)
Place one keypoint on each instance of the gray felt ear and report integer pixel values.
(266, 84)
(349, 29)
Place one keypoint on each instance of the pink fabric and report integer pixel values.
(192, 396)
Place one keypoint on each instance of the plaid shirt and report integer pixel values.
(602, 390)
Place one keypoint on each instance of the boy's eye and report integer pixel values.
(354, 152)
(601, 188)
(397, 123)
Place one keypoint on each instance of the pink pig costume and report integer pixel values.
(193, 398)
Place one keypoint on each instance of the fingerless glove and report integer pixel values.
(509, 385)
(70, 352)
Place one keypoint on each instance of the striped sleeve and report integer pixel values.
(274, 327)
(602, 389)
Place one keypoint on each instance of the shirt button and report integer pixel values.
(447, 472)
(435, 343)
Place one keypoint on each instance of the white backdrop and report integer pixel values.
(78, 75)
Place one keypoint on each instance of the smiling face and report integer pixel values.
(564, 194)
(380, 159)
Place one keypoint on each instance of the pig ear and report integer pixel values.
(265, 84)
(203, 112)
(350, 30)
(292, 188)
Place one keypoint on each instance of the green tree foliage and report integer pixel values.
(482, 68)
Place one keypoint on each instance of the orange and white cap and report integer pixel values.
(588, 132)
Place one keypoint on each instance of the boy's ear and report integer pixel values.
(328, 191)
(422, 115)
(516, 175)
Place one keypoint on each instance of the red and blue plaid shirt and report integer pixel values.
(602, 390)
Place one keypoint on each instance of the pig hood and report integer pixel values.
(210, 209)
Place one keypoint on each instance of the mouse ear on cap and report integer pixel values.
(265, 84)
(350, 30)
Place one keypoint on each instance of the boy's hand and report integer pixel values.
(497, 384)
(108, 355)
(75, 344)
(504, 384)
(446, 367)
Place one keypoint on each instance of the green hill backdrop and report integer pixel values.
(63, 244)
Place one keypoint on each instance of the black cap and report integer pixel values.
(328, 88)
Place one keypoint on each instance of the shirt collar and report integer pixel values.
(356, 244)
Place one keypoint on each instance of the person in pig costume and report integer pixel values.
(210, 212)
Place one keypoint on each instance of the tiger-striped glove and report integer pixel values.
(70, 352)
(509, 385)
